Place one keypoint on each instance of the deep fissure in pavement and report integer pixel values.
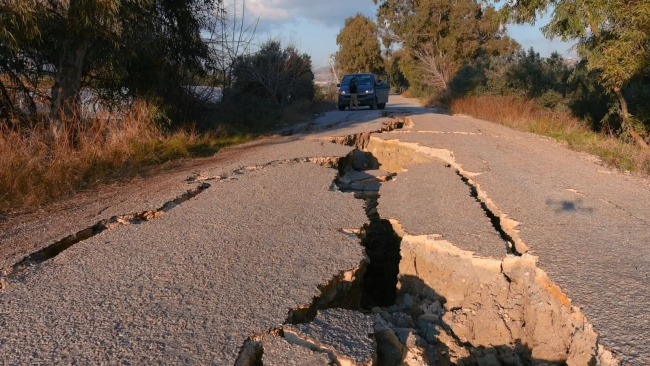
(381, 242)
(374, 282)
(494, 219)
(466, 309)
(251, 353)
(380, 280)
(62, 245)
(344, 291)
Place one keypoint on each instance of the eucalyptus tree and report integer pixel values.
(121, 48)
(359, 50)
(18, 28)
(441, 36)
(612, 35)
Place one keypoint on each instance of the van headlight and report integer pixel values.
(370, 91)
(342, 92)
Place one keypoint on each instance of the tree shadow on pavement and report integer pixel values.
(572, 206)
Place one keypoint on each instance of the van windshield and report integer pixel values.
(361, 79)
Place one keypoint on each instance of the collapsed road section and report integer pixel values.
(429, 301)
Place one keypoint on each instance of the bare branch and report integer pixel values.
(434, 74)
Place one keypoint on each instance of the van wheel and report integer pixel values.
(341, 108)
(373, 106)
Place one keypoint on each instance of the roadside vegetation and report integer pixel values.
(95, 92)
(552, 97)
(528, 116)
(597, 103)
(34, 168)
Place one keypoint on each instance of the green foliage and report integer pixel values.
(441, 37)
(269, 85)
(281, 76)
(359, 46)
(19, 23)
(397, 79)
(554, 84)
(536, 76)
(613, 37)
(409, 67)
(142, 49)
(622, 50)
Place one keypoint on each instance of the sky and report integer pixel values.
(312, 25)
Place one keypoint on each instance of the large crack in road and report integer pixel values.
(431, 302)
(54, 249)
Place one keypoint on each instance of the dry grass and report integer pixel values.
(526, 115)
(35, 170)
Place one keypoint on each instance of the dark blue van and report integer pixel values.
(371, 91)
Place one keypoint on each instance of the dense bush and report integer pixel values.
(556, 84)
(269, 84)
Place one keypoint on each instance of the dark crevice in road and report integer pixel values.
(374, 282)
(343, 292)
(378, 237)
(360, 140)
(494, 219)
(382, 245)
(62, 245)
(251, 353)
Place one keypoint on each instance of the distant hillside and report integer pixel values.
(323, 75)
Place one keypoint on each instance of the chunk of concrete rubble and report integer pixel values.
(345, 336)
(365, 177)
(400, 343)
(488, 359)
(404, 303)
(401, 320)
(416, 351)
(359, 187)
(427, 326)
(279, 352)
(390, 350)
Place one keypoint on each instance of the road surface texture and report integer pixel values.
(512, 248)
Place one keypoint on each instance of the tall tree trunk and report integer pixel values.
(67, 81)
(625, 116)
(7, 108)
(330, 59)
(67, 85)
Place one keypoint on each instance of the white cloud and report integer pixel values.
(267, 9)
(330, 13)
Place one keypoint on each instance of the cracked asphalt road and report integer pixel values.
(194, 284)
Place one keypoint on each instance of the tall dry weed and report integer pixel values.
(35, 168)
(526, 115)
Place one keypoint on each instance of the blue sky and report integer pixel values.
(313, 25)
